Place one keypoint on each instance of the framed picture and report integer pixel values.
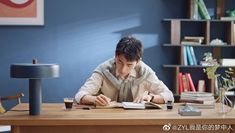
(21, 12)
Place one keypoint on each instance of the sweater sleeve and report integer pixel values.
(91, 86)
(157, 87)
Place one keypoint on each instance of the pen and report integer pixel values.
(144, 95)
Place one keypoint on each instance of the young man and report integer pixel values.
(124, 78)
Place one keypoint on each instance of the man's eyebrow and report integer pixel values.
(120, 60)
(130, 63)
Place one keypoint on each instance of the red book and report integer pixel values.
(185, 83)
(180, 83)
(191, 85)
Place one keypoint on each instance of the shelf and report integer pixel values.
(196, 45)
(195, 66)
(192, 20)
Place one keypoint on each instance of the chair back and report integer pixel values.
(15, 97)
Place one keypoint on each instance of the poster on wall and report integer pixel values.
(21, 12)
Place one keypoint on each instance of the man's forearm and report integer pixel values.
(158, 99)
(88, 99)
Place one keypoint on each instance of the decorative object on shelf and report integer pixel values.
(35, 72)
(230, 13)
(208, 60)
(225, 82)
(217, 42)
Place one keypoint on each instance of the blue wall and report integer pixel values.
(80, 34)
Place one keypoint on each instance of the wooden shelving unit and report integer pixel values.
(175, 39)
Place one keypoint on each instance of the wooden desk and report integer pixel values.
(55, 119)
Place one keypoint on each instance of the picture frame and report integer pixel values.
(28, 12)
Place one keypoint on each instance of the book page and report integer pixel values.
(132, 105)
(112, 104)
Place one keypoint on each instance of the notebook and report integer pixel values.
(131, 105)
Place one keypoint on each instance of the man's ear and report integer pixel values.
(139, 60)
(116, 55)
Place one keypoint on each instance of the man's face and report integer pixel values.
(124, 67)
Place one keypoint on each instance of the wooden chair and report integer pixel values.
(17, 97)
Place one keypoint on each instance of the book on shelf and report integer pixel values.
(185, 61)
(201, 86)
(229, 93)
(196, 39)
(227, 18)
(185, 83)
(227, 62)
(208, 102)
(187, 42)
(193, 55)
(192, 40)
(192, 87)
(203, 10)
(189, 56)
(180, 83)
(200, 106)
(200, 38)
(193, 8)
(197, 94)
(131, 105)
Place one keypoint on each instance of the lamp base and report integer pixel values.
(35, 96)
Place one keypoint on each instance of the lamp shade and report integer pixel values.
(34, 71)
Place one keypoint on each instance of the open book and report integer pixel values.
(131, 105)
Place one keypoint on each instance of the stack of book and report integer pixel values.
(227, 62)
(198, 99)
(192, 40)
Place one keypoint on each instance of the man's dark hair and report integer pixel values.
(130, 47)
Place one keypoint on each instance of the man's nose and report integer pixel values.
(123, 69)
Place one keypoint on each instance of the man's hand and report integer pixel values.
(102, 100)
(144, 97)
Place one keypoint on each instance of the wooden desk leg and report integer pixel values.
(15, 129)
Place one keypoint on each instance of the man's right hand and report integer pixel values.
(101, 100)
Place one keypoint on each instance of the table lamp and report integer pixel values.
(35, 72)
